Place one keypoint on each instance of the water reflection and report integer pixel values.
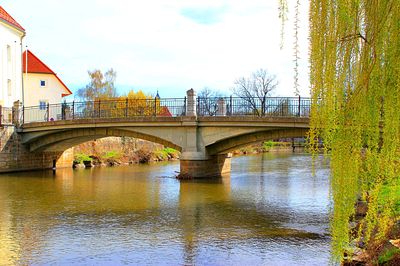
(269, 210)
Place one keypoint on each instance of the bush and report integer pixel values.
(268, 145)
(81, 157)
(111, 155)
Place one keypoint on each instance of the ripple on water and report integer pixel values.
(271, 211)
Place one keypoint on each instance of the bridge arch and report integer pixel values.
(62, 140)
(239, 141)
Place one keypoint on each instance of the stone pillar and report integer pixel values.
(221, 107)
(16, 110)
(212, 166)
(191, 103)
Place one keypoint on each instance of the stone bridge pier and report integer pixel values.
(195, 160)
(205, 167)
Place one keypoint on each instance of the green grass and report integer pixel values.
(165, 153)
(388, 255)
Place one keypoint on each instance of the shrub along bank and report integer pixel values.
(123, 151)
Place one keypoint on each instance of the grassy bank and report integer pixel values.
(268, 146)
(380, 249)
(113, 158)
(117, 151)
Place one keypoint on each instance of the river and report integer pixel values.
(271, 210)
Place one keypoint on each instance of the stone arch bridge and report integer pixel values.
(204, 132)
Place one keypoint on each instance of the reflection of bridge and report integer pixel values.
(204, 130)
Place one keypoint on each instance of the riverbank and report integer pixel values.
(119, 151)
(126, 151)
(380, 250)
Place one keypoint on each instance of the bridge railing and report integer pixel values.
(168, 107)
(6, 116)
(254, 106)
(115, 108)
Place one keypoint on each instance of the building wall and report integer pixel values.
(10, 65)
(34, 93)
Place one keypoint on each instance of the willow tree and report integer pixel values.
(355, 88)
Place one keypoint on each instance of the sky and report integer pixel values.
(169, 46)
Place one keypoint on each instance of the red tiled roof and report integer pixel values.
(9, 20)
(35, 65)
(165, 112)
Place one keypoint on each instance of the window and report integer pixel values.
(42, 105)
(9, 87)
(42, 83)
(8, 53)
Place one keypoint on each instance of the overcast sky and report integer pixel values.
(170, 46)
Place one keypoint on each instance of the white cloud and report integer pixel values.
(151, 44)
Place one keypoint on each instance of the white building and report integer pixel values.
(42, 86)
(11, 35)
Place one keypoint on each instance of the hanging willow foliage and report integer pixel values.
(355, 88)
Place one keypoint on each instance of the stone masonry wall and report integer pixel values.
(14, 156)
(216, 166)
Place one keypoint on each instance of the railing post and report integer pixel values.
(23, 114)
(15, 114)
(73, 110)
(155, 106)
(231, 106)
(191, 103)
(1, 115)
(48, 112)
(199, 111)
(298, 114)
(184, 106)
(126, 107)
(221, 111)
(99, 108)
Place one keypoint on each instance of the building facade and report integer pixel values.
(11, 33)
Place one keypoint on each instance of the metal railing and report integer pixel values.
(6, 116)
(254, 106)
(120, 108)
(167, 107)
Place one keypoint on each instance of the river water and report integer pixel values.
(271, 210)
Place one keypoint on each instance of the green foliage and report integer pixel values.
(81, 157)
(388, 255)
(166, 154)
(268, 144)
(391, 192)
(111, 155)
(355, 86)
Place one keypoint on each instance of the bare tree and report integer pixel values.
(208, 101)
(255, 89)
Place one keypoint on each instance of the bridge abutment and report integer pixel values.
(14, 156)
(206, 167)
